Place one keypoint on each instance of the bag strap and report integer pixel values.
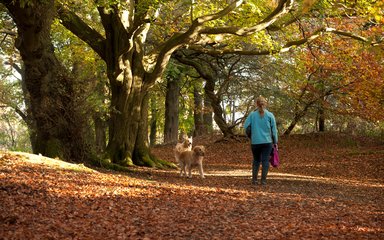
(273, 136)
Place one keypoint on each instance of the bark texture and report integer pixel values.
(171, 125)
(51, 92)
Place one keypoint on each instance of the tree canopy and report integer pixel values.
(316, 53)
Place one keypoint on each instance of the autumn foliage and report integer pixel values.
(349, 71)
(329, 186)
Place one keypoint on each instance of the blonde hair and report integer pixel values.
(261, 104)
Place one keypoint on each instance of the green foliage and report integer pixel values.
(13, 132)
(247, 14)
(186, 105)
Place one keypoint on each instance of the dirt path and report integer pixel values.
(308, 197)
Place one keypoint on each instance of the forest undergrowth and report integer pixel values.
(329, 186)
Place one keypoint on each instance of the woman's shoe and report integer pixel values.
(264, 183)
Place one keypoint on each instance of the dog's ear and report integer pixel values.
(182, 137)
(199, 149)
(196, 149)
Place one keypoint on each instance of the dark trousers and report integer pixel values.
(261, 153)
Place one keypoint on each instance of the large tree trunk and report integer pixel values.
(129, 130)
(129, 82)
(125, 118)
(128, 125)
(171, 122)
(51, 92)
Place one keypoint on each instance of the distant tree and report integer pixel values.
(201, 127)
(219, 74)
(173, 79)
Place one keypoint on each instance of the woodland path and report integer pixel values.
(328, 187)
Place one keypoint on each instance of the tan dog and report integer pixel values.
(184, 145)
(190, 159)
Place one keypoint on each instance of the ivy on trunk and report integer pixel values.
(56, 122)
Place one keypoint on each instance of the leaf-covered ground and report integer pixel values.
(328, 187)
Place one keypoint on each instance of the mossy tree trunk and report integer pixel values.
(125, 119)
(50, 90)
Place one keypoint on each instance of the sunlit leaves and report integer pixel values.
(368, 8)
(174, 17)
(307, 4)
(177, 16)
(247, 14)
(355, 75)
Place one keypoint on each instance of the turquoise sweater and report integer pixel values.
(261, 127)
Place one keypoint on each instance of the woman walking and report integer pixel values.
(263, 135)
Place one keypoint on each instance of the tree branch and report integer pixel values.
(15, 66)
(8, 32)
(78, 27)
(197, 28)
(283, 8)
(15, 108)
(287, 46)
